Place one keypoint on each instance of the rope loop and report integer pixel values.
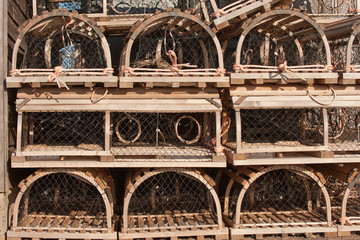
(15, 72)
(93, 101)
(333, 93)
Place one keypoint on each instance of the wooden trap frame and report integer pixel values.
(61, 48)
(172, 49)
(282, 46)
(169, 202)
(77, 203)
(282, 199)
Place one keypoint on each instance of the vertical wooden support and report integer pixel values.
(4, 182)
(105, 7)
(34, 5)
(107, 131)
(238, 130)
(357, 3)
(19, 132)
(218, 130)
(326, 127)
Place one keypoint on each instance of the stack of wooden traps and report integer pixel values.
(185, 119)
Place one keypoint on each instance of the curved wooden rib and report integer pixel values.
(346, 197)
(90, 176)
(249, 25)
(125, 55)
(140, 176)
(30, 24)
(350, 45)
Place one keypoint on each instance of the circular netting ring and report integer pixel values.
(128, 129)
(187, 129)
(278, 190)
(282, 41)
(168, 197)
(172, 44)
(65, 198)
(64, 42)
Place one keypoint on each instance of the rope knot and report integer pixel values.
(15, 72)
(282, 67)
(220, 71)
(127, 70)
(108, 70)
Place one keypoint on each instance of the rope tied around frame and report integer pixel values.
(317, 101)
(173, 59)
(227, 123)
(54, 76)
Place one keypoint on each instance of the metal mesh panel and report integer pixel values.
(326, 6)
(352, 207)
(355, 51)
(338, 53)
(173, 194)
(63, 131)
(273, 47)
(174, 136)
(230, 53)
(66, 42)
(280, 127)
(145, 6)
(281, 192)
(344, 130)
(73, 200)
(82, 6)
(174, 46)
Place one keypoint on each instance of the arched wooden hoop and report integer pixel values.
(37, 19)
(125, 55)
(262, 17)
(28, 183)
(299, 170)
(346, 197)
(350, 45)
(131, 187)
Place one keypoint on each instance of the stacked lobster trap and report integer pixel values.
(187, 97)
(278, 199)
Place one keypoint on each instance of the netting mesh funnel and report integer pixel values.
(318, 7)
(276, 195)
(170, 199)
(172, 44)
(63, 131)
(82, 6)
(64, 199)
(174, 136)
(61, 43)
(282, 41)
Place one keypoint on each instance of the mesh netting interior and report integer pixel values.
(82, 6)
(63, 131)
(171, 191)
(325, 6)
(64, 195)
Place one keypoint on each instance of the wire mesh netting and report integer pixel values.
(173, 135)
(230, 46)
(282, 42)
(268, 128)
(82, 6)
(337, 7)
(178, 199)
(62, 200)
(278, 195)
(147, 6)
(344, 126)
(354, 64)
(352, 206)
(338, 53)
(62, 41)
(173, 46)
(63, 131)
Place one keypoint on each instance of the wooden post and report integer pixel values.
(326, 127)
(107, 131)
(34, 5)
(238, 130)
(4, 185)
(218, 130)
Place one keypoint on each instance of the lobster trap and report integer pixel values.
(180, 202)
(282, 46)
(344, 38)
(67, 201)
(174, 45)
(322, 7)
(59, 44)
(276, 199)
(153, 129)
(82, 6)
